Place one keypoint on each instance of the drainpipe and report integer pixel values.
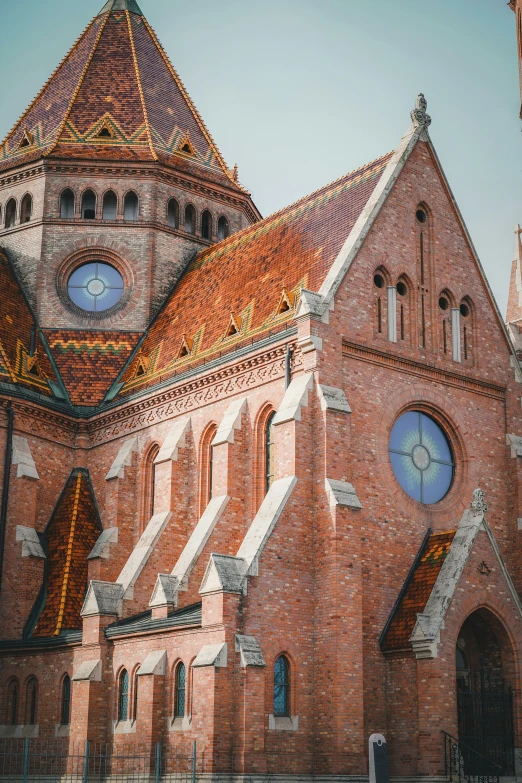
(5, 485)
(288, 368)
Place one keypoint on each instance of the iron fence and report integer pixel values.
(464, 765)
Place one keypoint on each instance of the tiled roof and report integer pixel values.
(246, 274)
(16, 325)
(418, 587)
(90, 361)
(116, 81)
(70, 535)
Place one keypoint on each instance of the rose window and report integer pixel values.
(95, 286)
(421, 457)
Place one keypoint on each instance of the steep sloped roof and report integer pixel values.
(416, 590)
(70, 535)
(18, 329)
(90, 361)
(231, 293)
(116, 96)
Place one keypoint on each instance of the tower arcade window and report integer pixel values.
(130, 206)
(110, 203)
(281, 687)
(173, 213)
(26, 209)
(123, 695)
(180, 690)
(206, 225)
(223, 229)
(10, 213)
(67, 204)
(421, 457)
(95, 287)
(88, 205)
(65, 711)
(190, 219)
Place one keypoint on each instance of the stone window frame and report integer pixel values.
(84, 256)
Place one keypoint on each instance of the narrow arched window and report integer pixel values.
(190, 219)
(149, 479)
(281, 687)
(26, 209)
(130, 206)
(135, 697)
(206, 225)
(180, 690)
(403, 310)
(88, 205)
(269, 452)
(10, 213)
(31, 701)
(466, 324)
(173, 213)
(12, 703)
(67, 204)
(206, 460)
(123, 695)
(223, 230)
(65, 712)
(423, 234)
(109, 205)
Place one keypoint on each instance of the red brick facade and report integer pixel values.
(224, 546)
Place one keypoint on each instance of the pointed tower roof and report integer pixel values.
(116, 96)
(514, 307)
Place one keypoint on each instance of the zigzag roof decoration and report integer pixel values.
(117, 76)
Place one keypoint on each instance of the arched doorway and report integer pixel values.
(485, 674)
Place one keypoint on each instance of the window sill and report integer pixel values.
(180, 724)
(290, 723)
(124, 727)
(19, 731)
(61, 730)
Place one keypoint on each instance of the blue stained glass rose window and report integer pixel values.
(421, 457)
(95, 286)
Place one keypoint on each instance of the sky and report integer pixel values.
(300, 92)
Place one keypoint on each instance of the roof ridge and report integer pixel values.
(191, 104)
(292, 205)
(78, 85)
(140, 87)
(49, 80)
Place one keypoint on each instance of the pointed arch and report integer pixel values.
(67, 200)
(206, 225)
(404, 290)
(423, 227)
(123, 695)
(88, 205)
(148, 483)
(263, 456)
(235, 323)
(130, 206)
(65, 701)
(381, 281)
(26, 208)
(206, 466)
(445, 305)
(31, 701)
(110, 205)
(12, 702)
(189, 223)
(180, 690)
(282, 684)
(223, 228)
(467, 317)
(173, 213)
(10, 213)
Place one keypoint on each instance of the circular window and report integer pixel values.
(95, 286)
(421, 215)
(464, 310)
(401, 288)
(443, 303)
(379, 281)
(421, 457)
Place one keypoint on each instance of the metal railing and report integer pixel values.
(464, 764)
(29, 760)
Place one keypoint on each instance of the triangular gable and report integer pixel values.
(71, 534)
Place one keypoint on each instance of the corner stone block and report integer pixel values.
(212, 655)
(31, 546)
(332, 399)
(154, 663)
(341, 493)
(23, 458)
(123, 459)
(89, 670)
(296, 396)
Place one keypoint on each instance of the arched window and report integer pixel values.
(130, 206)
(190, 219)
(173, 213)
(281, 687)
(65, 712)
(67, 204)
(31, 701)
(446, 308)
(380, 286)
(466, 324)
(206, 460)
(88, 205)
(269, 452)
(206, 225)
(12, 703)
(10, 213)
(109, 205)
(422, 223)
(149, 478)
(179, 690)
(26, 209)
(123, 695)
(403, 310)
(135, 695)
(223, 229)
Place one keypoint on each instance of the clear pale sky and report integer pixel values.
(299, 92)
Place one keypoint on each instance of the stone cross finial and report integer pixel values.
(478, 504)
(518, 230)
(418, 115)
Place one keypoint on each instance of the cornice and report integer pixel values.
(425, 372)
(35, 419)
(18, 176)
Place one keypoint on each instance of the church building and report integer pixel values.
(260, 479)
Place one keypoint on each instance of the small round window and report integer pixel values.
(421, 457)
(95, 286)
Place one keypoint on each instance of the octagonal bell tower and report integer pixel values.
(110, 182)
